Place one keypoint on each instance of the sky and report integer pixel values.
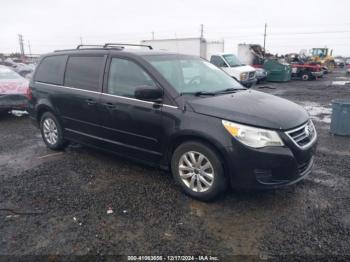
(292, 25)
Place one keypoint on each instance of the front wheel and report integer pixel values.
(198, 169)
(51, 131)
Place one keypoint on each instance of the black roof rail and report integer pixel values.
(80, 46)
(122, 45)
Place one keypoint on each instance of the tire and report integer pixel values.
(213, 174)
(305, 77)
(51, 131)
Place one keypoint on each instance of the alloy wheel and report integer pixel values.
(50, 131)
(196, 171)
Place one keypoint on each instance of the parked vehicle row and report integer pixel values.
(13, 90)
(175, 111)
(23, 69)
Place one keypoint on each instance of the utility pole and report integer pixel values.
(29, 48)
(202, 30)
(20, 39)
(265, 38)
(81, 40)
(152, 35)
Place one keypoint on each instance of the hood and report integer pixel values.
(241, 69)
(9, 87)
(252, 108)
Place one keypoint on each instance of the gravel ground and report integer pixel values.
(56, 203)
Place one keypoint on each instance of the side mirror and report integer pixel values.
(224, 65)
(148, 93)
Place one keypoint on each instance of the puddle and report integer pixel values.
(340, 83)
(318, 112)
(343, 78)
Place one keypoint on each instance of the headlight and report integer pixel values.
(243, 76)
(252, 136)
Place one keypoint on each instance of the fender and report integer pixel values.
(44, 104)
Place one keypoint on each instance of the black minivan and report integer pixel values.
(174, 111)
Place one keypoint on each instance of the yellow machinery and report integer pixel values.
(324, 57)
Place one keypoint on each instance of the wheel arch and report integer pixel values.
(211, 142)
(42, 107)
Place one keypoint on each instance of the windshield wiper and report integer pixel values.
(199, 93)
(229, 90)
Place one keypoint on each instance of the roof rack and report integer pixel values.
(117, 46)
(80, 46)
(122, 45)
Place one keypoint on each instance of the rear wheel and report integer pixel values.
(51, 131)
(198, 169)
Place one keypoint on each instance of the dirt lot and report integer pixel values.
(60, 200)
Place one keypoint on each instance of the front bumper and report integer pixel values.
(249, 82)
(270, 167)
(13, 101)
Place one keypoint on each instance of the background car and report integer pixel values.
(339, 62)
(13, 90)
(24, 69)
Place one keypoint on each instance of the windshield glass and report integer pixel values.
(191, 75)
(232, 60)
(8, 74)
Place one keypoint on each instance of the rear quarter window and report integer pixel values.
(51, 69)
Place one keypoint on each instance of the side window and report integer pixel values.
(125, 76)
(218, 61)
(51, 69)
(84, 72)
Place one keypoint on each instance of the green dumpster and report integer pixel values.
(277, 71)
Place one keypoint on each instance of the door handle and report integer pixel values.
(90, 101)
(109, 105)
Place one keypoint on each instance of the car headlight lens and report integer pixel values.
(252, 136)
(243, 76)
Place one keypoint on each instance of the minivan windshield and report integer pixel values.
(191, 75)
(232, 60)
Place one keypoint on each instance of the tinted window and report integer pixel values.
(125, 76)
(218, 61)
(51, 69)
(84, 72)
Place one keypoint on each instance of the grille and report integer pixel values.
(304, 135)
(251, 74)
